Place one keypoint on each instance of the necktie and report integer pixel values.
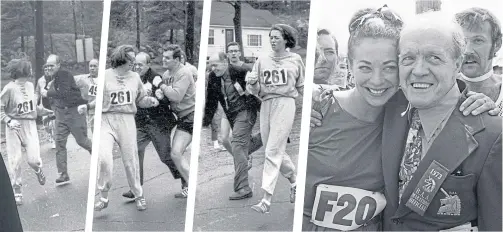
(412, 154)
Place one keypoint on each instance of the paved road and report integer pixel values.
(214, 212)
(51, 207)
(164, 212)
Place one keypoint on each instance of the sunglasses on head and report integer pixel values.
(384, 13)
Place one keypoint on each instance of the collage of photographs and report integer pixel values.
(251, 115)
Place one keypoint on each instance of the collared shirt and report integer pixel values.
(433, 119)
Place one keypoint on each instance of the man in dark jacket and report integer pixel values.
(67, 97)
(154, 124)
(226, 85)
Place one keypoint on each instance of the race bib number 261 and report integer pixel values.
(345, 208)
(25, 107)
(121, 97)
(275, 76)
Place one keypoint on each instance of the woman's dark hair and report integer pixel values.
(373, 23)
(289, 34)
(120, 56)
(19, 68)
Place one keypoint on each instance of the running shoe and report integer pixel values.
(183, 194)
(293, 192)
(19, 198)
(262, 207)
(141, 203)
(101, 204)
(40, 176)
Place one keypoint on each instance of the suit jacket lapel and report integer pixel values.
(451, 147)
(394, 134)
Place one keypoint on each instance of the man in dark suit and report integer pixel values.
(66, 99)
(9, 216)
(442, 170)
(226, 84)
(154, 124)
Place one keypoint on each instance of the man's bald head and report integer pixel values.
(53, 64)
(142, 63)
(219, 63)
(93, 67)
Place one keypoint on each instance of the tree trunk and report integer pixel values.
(189, 36)
(237, 26)
(52, 47)
(22, 43)
(138, 25)
(39, 39)
(82, 16)
(75, 28)
(171, 36)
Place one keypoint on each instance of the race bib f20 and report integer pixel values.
(345, 208)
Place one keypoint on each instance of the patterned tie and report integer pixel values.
(412, 154)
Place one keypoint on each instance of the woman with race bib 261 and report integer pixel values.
(277, 79)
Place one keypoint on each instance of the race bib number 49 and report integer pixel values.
(345, 208)
(274, 76)
(93, 90)
(121, 98)
(25, 107)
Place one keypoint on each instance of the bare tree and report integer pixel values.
(39, 38)
(138, 25)
(237, 24)
(189, 31)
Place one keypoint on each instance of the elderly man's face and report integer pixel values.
(427, 67)
(478, 60)
(218, 66)
(52, 65)
(326, 57)
(141, 65)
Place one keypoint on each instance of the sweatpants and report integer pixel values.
(276, 121)
(27, 137)
(119, 128)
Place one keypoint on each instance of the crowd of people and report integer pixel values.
(416, 145)
(58, 98)
(141, 106)
(267, 90)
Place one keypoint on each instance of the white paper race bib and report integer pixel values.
(275, 77)
(93, 90)
(345, 208)
(122, 97)
(25, 107)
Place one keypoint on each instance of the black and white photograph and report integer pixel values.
(405, 126)
(49, 69)
(251, 125)
(147, 115)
